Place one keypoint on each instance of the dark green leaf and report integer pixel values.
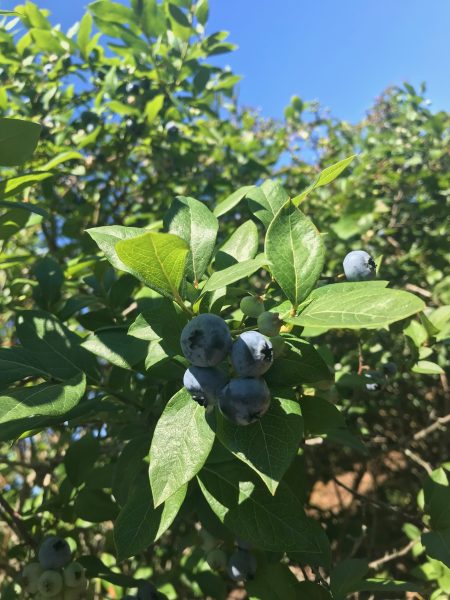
(266, 201)
(18, 140)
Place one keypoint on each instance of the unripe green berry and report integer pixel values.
(252, 306)
(30, 577)
(269, 324)
(216, 559)
(278, 345)
(50, 584)
(74, 576)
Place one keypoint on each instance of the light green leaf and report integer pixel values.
(112, 11)
(266, 201)
(269, 445)
(11, 187)
(232, 200)
(181, 444)
(387, 585)
(234, 273)
(84, 34)
(240, 246)
(61, 158)
(246, 507)
(326, 176)
(153, 107)
(157, 259)
(193, 222)
(427, 367)
(114, 345)
(152, 18)
(45, 399)
(18, 140)
(295, 250)
(139, 523)
(363, 305)
(107, 237)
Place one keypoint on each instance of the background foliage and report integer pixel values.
(133, 114)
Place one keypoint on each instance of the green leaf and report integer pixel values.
(221, 279)
(312, 591)
(128, 466)
(112, 11)
(437, 499)
(300, 363)
(157, 259)
(295, 250)
(245, 506)
(437, 545)
(363, 305)
(232, 200)
(274, 581)
(240, 246)
(153, 107)
(427, 367)
(346, 575)
(114, 345)
(179, 16)
(57, 349)
(193, 222)
(54, 399)
(107, 237)
(269, 445)
(139, 523)
(80, 458)
(16, 363)
(152, 18)
(18, 140)
(266, 201)
(387, 585)
(32, 208)
(181, 444)
(95, 506)
(11, 187)
(84, 34)
(326, 176)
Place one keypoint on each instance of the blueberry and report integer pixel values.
(244, 400)
(251, 354)
(30, 577)
(242, 566)
(252, 306)
(74, 576)
(206, 340)
(390, 368)
(204, 383)
(50, 583)
(147, 591)
(269, 323)
(374, 381)
(216, 559)
(359, 266)
(54, 553)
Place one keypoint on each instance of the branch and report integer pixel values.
(17, 523)
(441, 422)
(388, 557)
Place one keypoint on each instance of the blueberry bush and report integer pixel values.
(223, 338)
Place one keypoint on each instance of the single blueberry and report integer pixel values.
(242, 566)
(269, 323)
(206, 340)
(359, 266)
(252, 306)
(50, 583)
(251, 354)
(54, 553)
(390, 368)
(204, 383)
(244, 400)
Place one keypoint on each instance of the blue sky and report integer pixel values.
(340, 52)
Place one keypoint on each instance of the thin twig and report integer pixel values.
(16, 520)
(417, 459)
(375, 564)
(441, 422)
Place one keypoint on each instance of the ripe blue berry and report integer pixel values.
(206, 340)
(269, 323)
(242, 566)
(373, 381)
(359, 266)
(244, 400)
(204, 383)
(251, 354)
(54, 553)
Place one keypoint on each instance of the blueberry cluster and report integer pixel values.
(206, 342)
(54, 576)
